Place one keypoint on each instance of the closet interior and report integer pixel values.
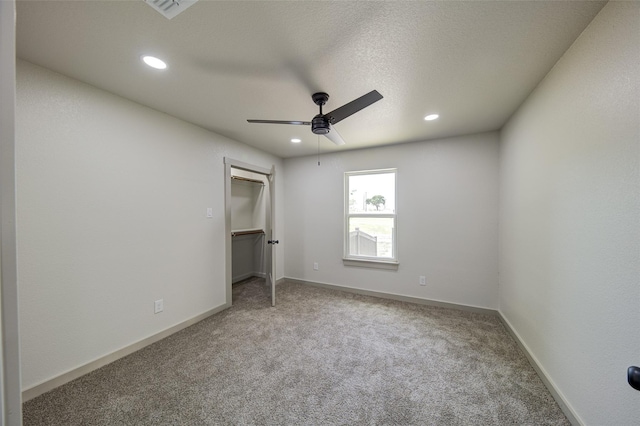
(249, 194)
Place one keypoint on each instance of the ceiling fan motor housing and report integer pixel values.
(320, 125)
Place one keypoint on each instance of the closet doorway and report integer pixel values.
(250, 225)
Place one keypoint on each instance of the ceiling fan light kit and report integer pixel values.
(322, 124)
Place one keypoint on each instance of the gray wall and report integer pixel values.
(447, 230)
(112, 200)
(570, 219)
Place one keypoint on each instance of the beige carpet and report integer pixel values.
(321, 357)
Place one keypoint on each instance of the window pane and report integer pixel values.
(371, 236)
(372, 193)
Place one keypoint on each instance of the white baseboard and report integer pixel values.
(565, 406)
(73, 374)
(398, 297)
(248, 275)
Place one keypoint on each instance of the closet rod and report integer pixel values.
(247, 180)
(250, 232)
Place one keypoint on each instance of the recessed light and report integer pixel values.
(154, 62)
(296, 140)
(431, 117)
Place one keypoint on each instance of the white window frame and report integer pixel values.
(370, 261)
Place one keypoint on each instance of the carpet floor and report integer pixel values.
(320, 357)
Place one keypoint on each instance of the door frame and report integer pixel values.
(270, 174)
(272, 232)
(10, 374)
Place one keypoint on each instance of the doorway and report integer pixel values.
(249, 225)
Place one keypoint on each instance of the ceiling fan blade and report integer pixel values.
(352, 107)
(334, 136)
(300, 123)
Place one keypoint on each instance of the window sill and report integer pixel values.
(375, 264)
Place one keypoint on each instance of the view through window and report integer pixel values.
(370, 215)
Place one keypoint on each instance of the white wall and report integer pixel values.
(112, 200)
(570, 219)
(447, 228)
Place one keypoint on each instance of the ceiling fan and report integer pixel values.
(322, 124)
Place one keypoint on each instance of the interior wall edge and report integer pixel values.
(393, 296)
(57, 381)
(558, 396)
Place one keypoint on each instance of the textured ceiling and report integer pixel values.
(471, 62)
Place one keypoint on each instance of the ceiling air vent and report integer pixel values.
(170, 8)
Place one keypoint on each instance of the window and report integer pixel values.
(370, 216)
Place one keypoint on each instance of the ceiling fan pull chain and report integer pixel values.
(319, 150)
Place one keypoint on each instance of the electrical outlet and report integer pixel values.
(423, 280)
(158, 306)
(315, 266)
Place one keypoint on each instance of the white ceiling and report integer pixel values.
(472, 62)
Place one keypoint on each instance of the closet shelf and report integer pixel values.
(244, 179)
(238, 232)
